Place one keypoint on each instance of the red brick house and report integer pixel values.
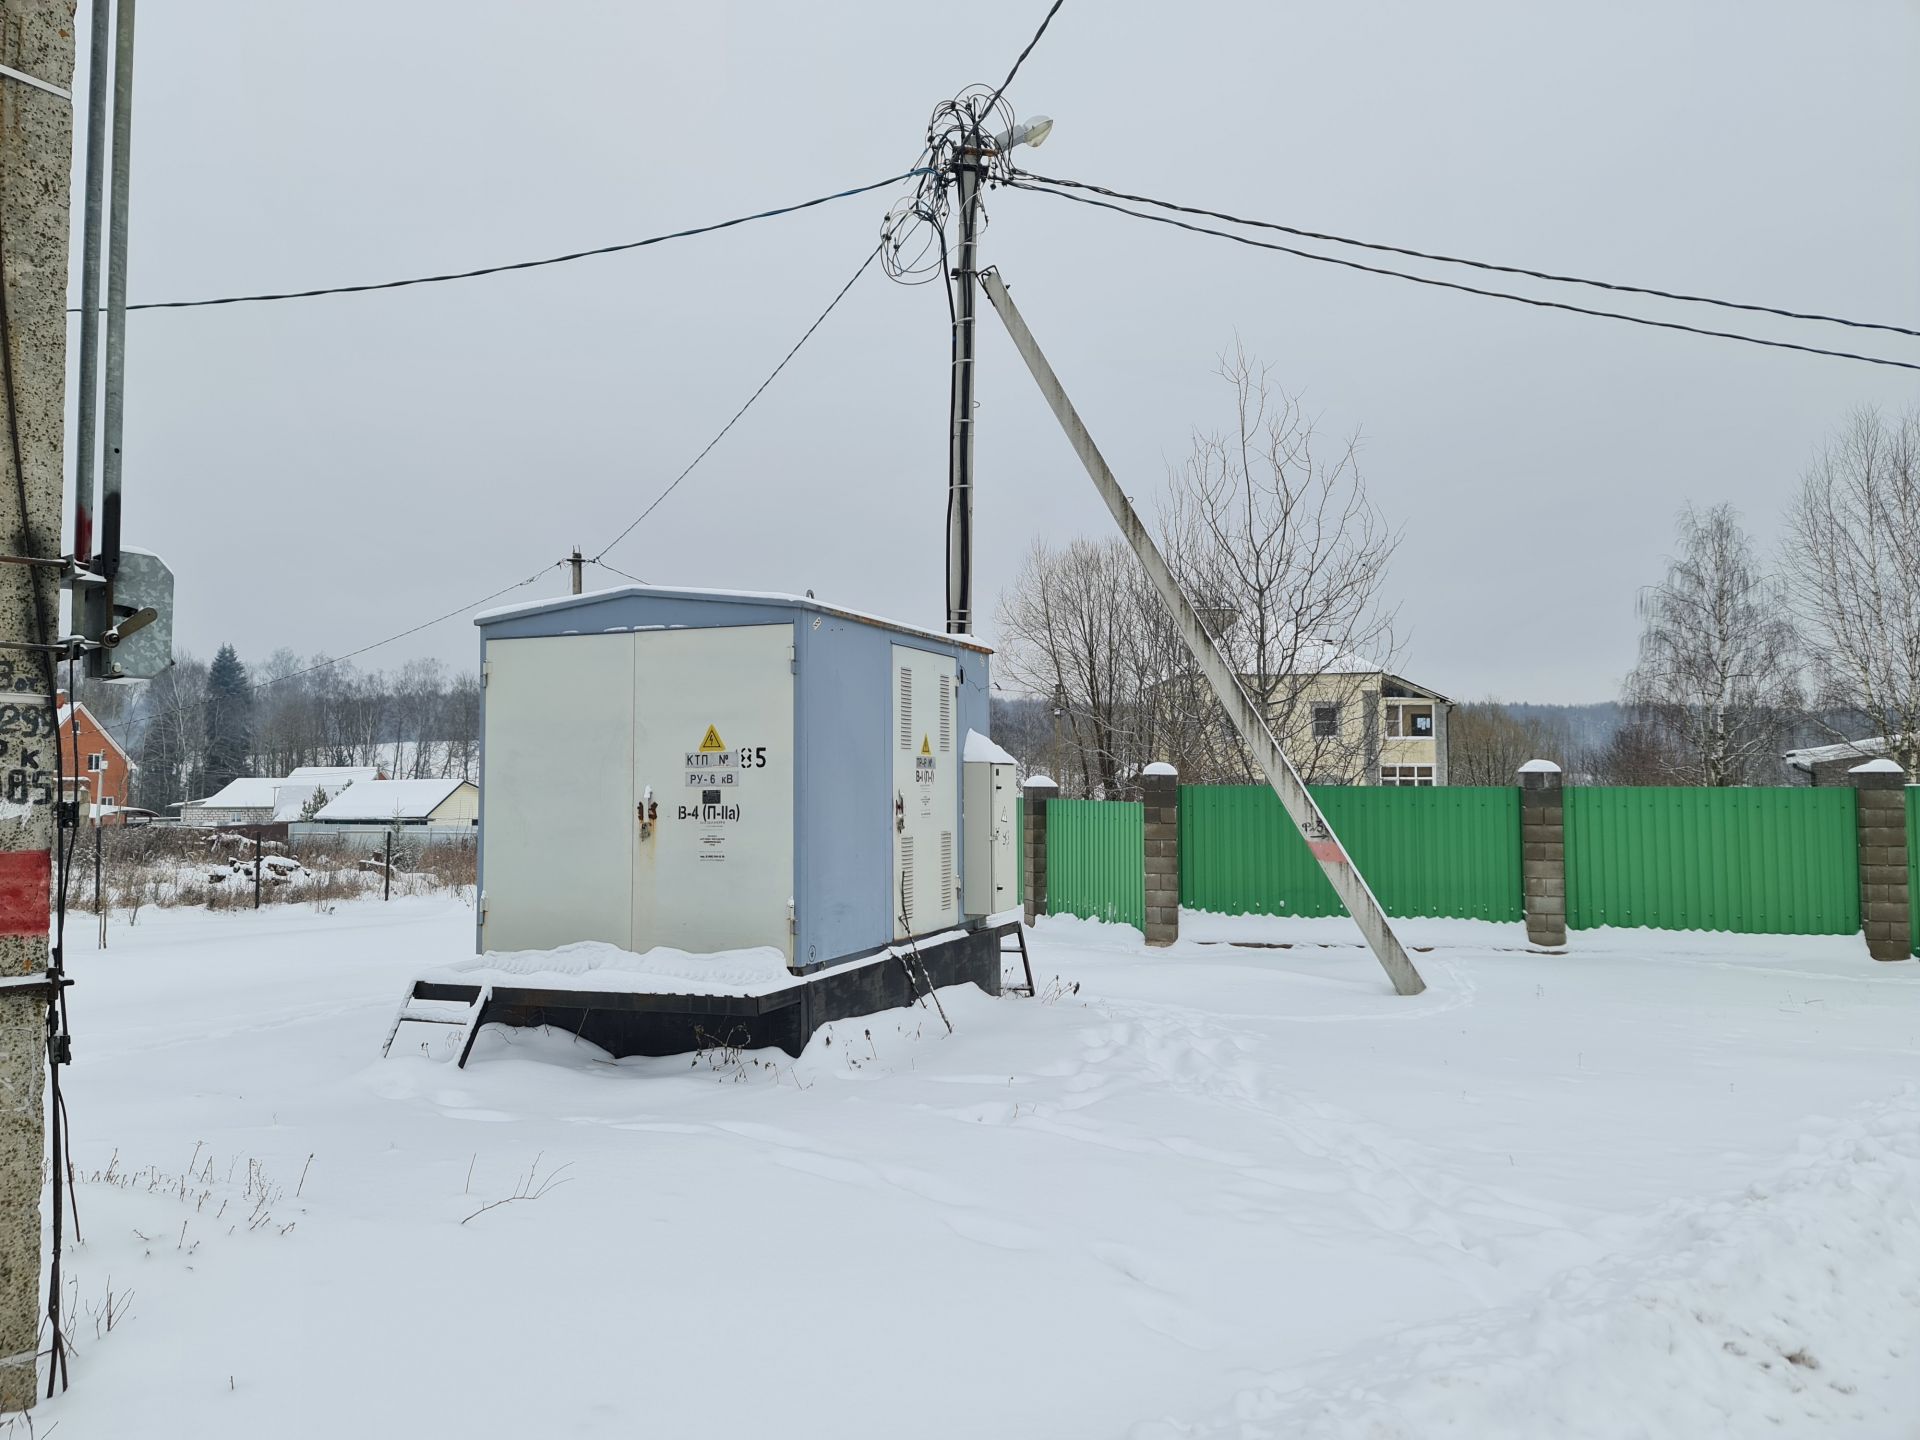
(95, 758)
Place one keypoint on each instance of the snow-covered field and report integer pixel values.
(1665, 1185)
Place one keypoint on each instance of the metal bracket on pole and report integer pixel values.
(1252, 726)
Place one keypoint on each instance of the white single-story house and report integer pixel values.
(335, 777)
(1829, 764)
(274, 800)
(442, 804)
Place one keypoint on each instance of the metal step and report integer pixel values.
(415, 1009)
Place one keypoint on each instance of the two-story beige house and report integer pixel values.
(1353, 723)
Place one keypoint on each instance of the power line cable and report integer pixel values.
(517, 264)
(1614, 285)
(819, 320)
(1466, 289)
(1045, 21)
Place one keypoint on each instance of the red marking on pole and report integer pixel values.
(26, 876)
(1326, 852)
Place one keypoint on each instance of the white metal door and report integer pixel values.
(713, 770)
(557, 791)
(926, 783)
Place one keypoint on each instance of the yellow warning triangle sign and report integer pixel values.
(925, 748)
(713, 740)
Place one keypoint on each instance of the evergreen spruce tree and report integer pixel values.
(229, 719)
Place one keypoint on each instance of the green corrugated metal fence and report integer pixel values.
(1913, 863)
(1448, 850)
(1757, 861)
(1096, 860)
(1768, 862)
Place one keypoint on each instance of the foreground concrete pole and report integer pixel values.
(36, 162)
(1880, 786)
(1160, 790)
(1543, 853)
(1038, 790)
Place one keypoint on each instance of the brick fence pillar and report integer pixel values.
(1880, 786)
(1543, 853)
(1038, 790)
(1160, 790)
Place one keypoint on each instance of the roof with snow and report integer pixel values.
(284, 799)
(980, 748)
(249, 792)
(331, 775)
(382, 800)
(739, 597)
(66, 714)
(1813, 755)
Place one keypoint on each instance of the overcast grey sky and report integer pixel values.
(322, 473)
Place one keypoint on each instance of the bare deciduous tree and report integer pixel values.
(1853, 558)
(1280, 546)
(1487, 744)
(1072, 633)
(1719, 672)
(1284, 555)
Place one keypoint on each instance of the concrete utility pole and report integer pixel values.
(967, 167)
(1252, 726)
(577, 561)
(36, 163)
(974, 152)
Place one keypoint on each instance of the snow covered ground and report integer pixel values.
(1664, 1186)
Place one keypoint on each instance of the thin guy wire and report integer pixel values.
(1469, 289)
(872, 255)
(618, 571)
(411, 630)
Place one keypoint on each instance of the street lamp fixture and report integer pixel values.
(1031, 131)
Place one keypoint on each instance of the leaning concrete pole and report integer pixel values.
(36, 163)
(1247, 720)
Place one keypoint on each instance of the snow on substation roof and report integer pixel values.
(743, 597)
(980, 748)
(333, 774)
(376, 800)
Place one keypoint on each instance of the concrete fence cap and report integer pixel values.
(1159, 767)
(1539, 767)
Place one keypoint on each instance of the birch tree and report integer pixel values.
(1719, 673)
(1853, 561)
(1272, 532)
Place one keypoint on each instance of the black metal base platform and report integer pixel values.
(634, 1023)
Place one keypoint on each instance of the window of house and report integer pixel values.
(1406, 775)
(1326, 722)
(1410, 719)
(97, 761)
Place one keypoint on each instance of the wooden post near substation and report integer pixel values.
(36, 161)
